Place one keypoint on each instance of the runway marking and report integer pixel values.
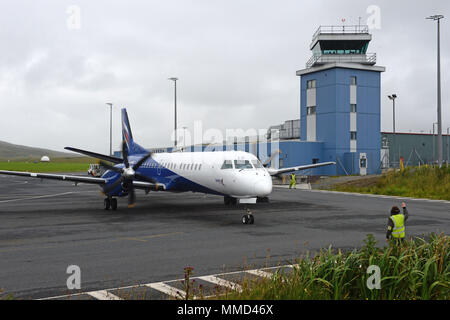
(103, 295)
(222, 282)
(143, 238)
(45, 196)
(260, 273)
(169, 290)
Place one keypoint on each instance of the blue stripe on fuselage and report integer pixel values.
(172, 180)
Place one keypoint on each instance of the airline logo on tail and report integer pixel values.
(126, 131)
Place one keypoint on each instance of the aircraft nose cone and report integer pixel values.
(263, 187)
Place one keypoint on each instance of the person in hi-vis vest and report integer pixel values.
(396, 224)
(292, 181)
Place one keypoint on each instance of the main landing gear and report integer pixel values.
(110, 203)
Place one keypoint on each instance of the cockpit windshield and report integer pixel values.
(257, 164)
(242, 164)
(227, 164)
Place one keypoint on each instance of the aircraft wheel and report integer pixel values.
(106, 204)
(248, 219)
(114, 204)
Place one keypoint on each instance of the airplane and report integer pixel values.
(232, 174)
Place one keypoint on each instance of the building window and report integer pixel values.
(311, 110)
(352, 135)
(352, 107)
(353, 81)
(311, 84)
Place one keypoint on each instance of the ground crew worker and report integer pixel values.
(292, 182)
(396, 224)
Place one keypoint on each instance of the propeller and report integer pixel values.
(266, 163)
(127, 175)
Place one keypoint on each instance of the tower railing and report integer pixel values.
(343, 29)
(368, 58)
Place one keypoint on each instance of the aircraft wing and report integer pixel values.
(52, 176)
(274, 172)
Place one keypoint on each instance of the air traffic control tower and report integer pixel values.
(340, 99)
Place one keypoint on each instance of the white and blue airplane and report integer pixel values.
(232, 174)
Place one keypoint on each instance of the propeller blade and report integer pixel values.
(110, 167)
(116, 183)
(131, 198)
(141, 161)
(125, 154)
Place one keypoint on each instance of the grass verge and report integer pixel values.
(419, 269)
(415, 182)
(56, 165)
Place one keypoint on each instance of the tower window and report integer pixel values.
(353, 81)
(352, 135)
(311, 84)
(311, 110)
(352, 107)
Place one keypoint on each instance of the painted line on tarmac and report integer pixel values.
(222, 282)
(172, 292)
(144, 238)
(103, 295)
(45, 196)
(380, 196)
(166, 289)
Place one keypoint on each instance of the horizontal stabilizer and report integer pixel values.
(96, 155)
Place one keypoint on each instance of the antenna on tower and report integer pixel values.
(343, 24)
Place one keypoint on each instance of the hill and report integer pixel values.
(9, 151)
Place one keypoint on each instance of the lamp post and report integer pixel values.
(174, 79)
(393, 97)
(448, 153)
(434, 143)
(439, 121)
(184, 138)
(110, 127)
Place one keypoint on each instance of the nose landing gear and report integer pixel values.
(248, 218)
(110, 203)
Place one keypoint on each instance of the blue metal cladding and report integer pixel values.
(333, 116)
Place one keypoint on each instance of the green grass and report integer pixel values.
(417, 270)
(57, 165)
(423, 182)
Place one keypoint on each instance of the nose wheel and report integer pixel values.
(248, 219)
(110, 203)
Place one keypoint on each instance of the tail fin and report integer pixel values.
(127, 136)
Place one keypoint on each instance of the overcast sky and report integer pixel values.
(235, 60)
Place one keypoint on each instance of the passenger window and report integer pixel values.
(242, 164)
(227, 164)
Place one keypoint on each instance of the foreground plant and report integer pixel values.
(418, 269)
